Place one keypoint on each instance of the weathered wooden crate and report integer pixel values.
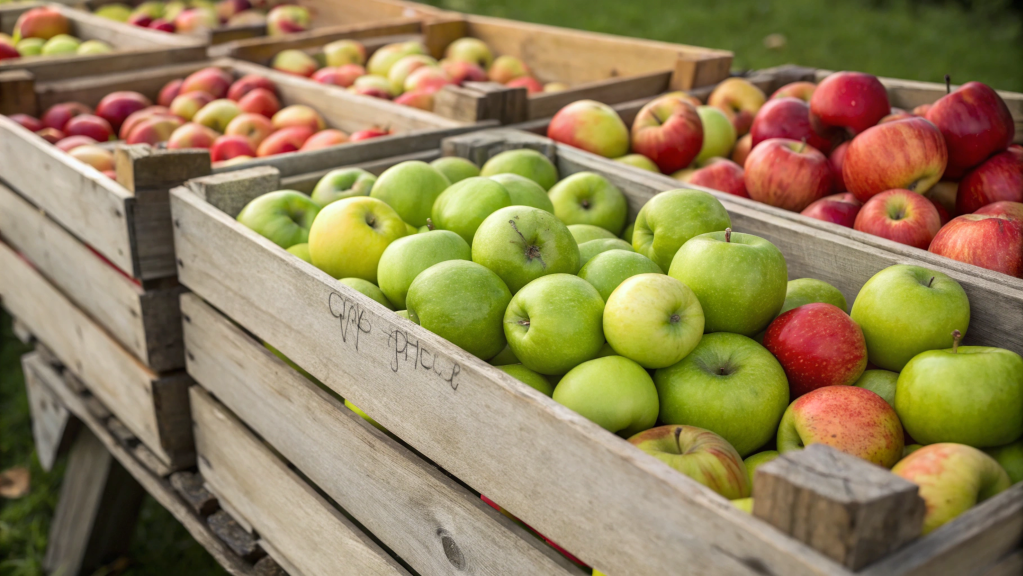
(586, 489)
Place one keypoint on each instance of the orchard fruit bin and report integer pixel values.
(258, 312)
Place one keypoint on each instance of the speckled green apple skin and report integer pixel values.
(524, 162)
(741, 283)
(349, 236)
(535, 380)
(613, 392)
(588, 198)
(586, 232)
(973, 396)
(901, 316)
(607, 270)
(342, 183)
(654, 320)
(301, 251)
(952, 479)
(521, 244)
(587, 250)
(743, 405)
(672, 218)
(753, 461)
(524, 192)
(880, 382)
(368, 289)
(455, 169)
(700, 454)
(464, 206)
(1010, 457)
(462, 302)
(407, 257)
(809, 290)
(284, 217)
(410, 188)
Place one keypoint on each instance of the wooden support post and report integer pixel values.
(54, 428)
(695, 70)
(95, 518)
(848, 509)
(231, 191)
(17, 93)
(438, 33)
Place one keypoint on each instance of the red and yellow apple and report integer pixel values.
(991, 242)
(721, 174)
(285, 140)
(999, 178)
(192, 135)
(117, 106)
(787, 174)
(839, 209)
(739, 100)
(975, 123)
(231, 146)
(324, 139)
(870, 165)
(699, 454)
(248, 83)
(802, 90)
(787, 118)
(900, 216)
(591, 126)
(211, 80)
(669, 132)
(253, 127)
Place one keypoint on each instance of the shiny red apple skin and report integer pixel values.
(836, 160)
(818, 345)
(211, 79)
(896, 116)
(57, 116)
(248, 83)
(169, 92)
(89, 125)
(1004, 209)
(901, 216)
(870, 165)
(787, 118)
(131, 121)
(260, 101)
(838, 209)
(71, 142)
(991, 242)
(285, 140)
(669, 132)
(368, 134)
(852, 101)
(117, 106)
(999, 178)
(28, 122)
(742, 149)
(723, 175)
(787, 174)
(227, 147)
(802, 90)
(975, 123)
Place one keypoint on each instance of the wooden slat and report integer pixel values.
(315, 537)
(610, 91)
(17, 93)
(413, 508)
(262, 50)
(53, 427)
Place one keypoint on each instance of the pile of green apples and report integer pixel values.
(46, 32)
(675, 332)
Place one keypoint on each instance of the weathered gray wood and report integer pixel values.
(53, 427)
(21, 332)
(237, 539)
(409, 505)
(268, 567)
(610, 91)
(1011, 565)
(231, 191)
(282, 508)
(191, 488)
(121, 432)
(851, 510)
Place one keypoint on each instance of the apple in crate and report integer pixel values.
(211, 80)
(284, 217)
(524, 162)
(420, 99)
(411, 188)
(154, 129)
(992, 242)
(248, 83)
(349, 236)
(284, 140)
(975, 123)
(260, 101)
(28, 122)
(900, 216)
(141, 20)
(802, 90)
(71, 142)
(253, 127)
(380, 62)
(456, 169)
(653, 319)
(699, 454)
(839, 209)
(192, 135)
(613, 392)
(836, 161)
(723, 175)
(287, 19)
(591, 126)
(672, 218)
(787, 173)
(403, 68)
(217, 114)
(426, 79)
(507, 68)
(195, 19)
(341, 53)
(188, 105)
(532, 85)
(461, 71)
(462, 207)
(135, 119)
(739, 100)
(787, 118)
(472, 50)
(849, 102)
(44, 22)
(94, 156)
(117, 106)
(89, 125)
(298, 115)
(368, 134)
(324, 139)
(998, 178)
(169, 92)
(295, 62)
(343, 183)
(51, 135)
(669, 132)
(406, 258)
(162, 25)
(343, 76)
(589, 198)
(1010, 457)
(1010, 210)
(743, 146)
(231, 146)
(8, 52)
(803, 291)
(870, 167)
(522, 243)
(57, 116)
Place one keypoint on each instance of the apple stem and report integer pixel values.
(728, 234)
(429, 224)
(956, 336)
(931, 281)
(678, 432)
(948, 83)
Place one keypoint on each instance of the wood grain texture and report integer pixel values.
(53, 427)
(17, 93)
(413, 508)
(285, 510)
(610, 91)
(190, 487)
(262, 50)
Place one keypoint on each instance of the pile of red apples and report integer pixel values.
(944, 177)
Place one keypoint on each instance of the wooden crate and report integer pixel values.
(547, 465)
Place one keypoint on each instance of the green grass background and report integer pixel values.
(922, 40)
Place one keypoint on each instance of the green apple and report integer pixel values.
(905, 310)
(524, 162)
(504, 357)
(744, 504)
(368, 289)
(554, 323)
(473, 50)
(284, 217)
(533, 379)
(404, 67)
(653, 319)
(613, 392)
(588, 198)
(462, 302)
(627, 234)
(365, 417)
(968, 394)
(880, 382)
(639, 161)
(1010, 457)
(465, 205)
(403, 314)
(753, 461)
(117, 12)
(809, 290)
(607, 270)
(455, 169)
(410, 188)
(586, 232)
(30, 46)
(671, 218)
(729, 385)
(587, 250)
(60, 45)
(606, 350)
(521, 244)
(381, 61)
(90, 47)
(342, 183)
(700, 454)
(349, 236)
(740, 280)
(302, 251)
(524, 192)
(718, 134)
(407, 257)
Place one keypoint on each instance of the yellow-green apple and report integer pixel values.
(905, 310)
(211, 80)
(607, 270)
(999, 178)
(61, 44)
(523, 191)
(260, 101)
(975, 123)
(553, 323)
(524, 162)
(802, 90)
(135, 119)
(368, 289)
(93, 47)
(372, 85)
(406, 258)
(169, 92)
(51, 135)
(991, 242)
(787, 118)
(342, 52)
(324, 139)
(298, 115)
(669, 132)
(426, 79)
(849, 419)
(342, 183)
(639, 161)
(718, 135)
(349, 236)
(461, 72)
(30, 123)
(462, 302)
(870, 168)
(253, 127)
(743, 146)
(192, 135)
(403, 68)
(116, 12)
(462, 207)
(188, 105)
(587, 250)
(410, 188)
(787, 174)
(154, 129)
(589, 198)
(699, 454)
(117, 106)
(586, 232)
(295, 62)
(653, 319)
(343, 76)
(613, 392)
(521, 244)
(194, 19)
(848, 102)
(721, 174)
(839, 209)
(739, 100)
(58, 115)
(455, 169)
(421, 99)
(381, 61)
(966, 394)
(94, 156)
(591, 126)
(809, 290)
(507, 68)
(818, 345)
(754, 461)
(1010, 457)
(880, 382)
(836, 160)
(900, 216)
(287, 19)
(535, 380)
(89, 125)
(555, 87)
(628, 232)
(228, 147)
(740, 279)
(284, 140)
(69, 143)
(952, 479)
(218, 114)
(729, 385)
(672, 218)
(1010, 210)
(44, 22)
(472, 50)
(284, 217)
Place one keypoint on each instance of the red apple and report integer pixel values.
(43, 22)
(169, 92)
(592, 126)
(131, 121)
(188, 105)
(229, 146)
(260, 101)
(8, 52)
(288, 139)
(943, 216)
(975, 122)
(507, 68)
(57, 116)
(991, 242)
(1010, 210)
(248, 83)
(802, 90)
(669, 132)
(901, 216)
(253, 127)
(427, 79)
(71, 142)
(461, 72)
(51, 135)
(28, 122)
(740, 100)
(324, 139)
(787, 118)
(532, 85)
(162, 25)
(343, 76)
(787, 174)
(154, 129)
(839, 209)
(192, 135)
(89, 125)
(896, 116)
(140, 19)
(849, 101)
(998, 178)
(211, 80)
(368, 134)
(742, 149)
(836, 160)
(117, 106)
(818, 345)
(921, 110)
(416, 99)
(871, 164)
(721, 174)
